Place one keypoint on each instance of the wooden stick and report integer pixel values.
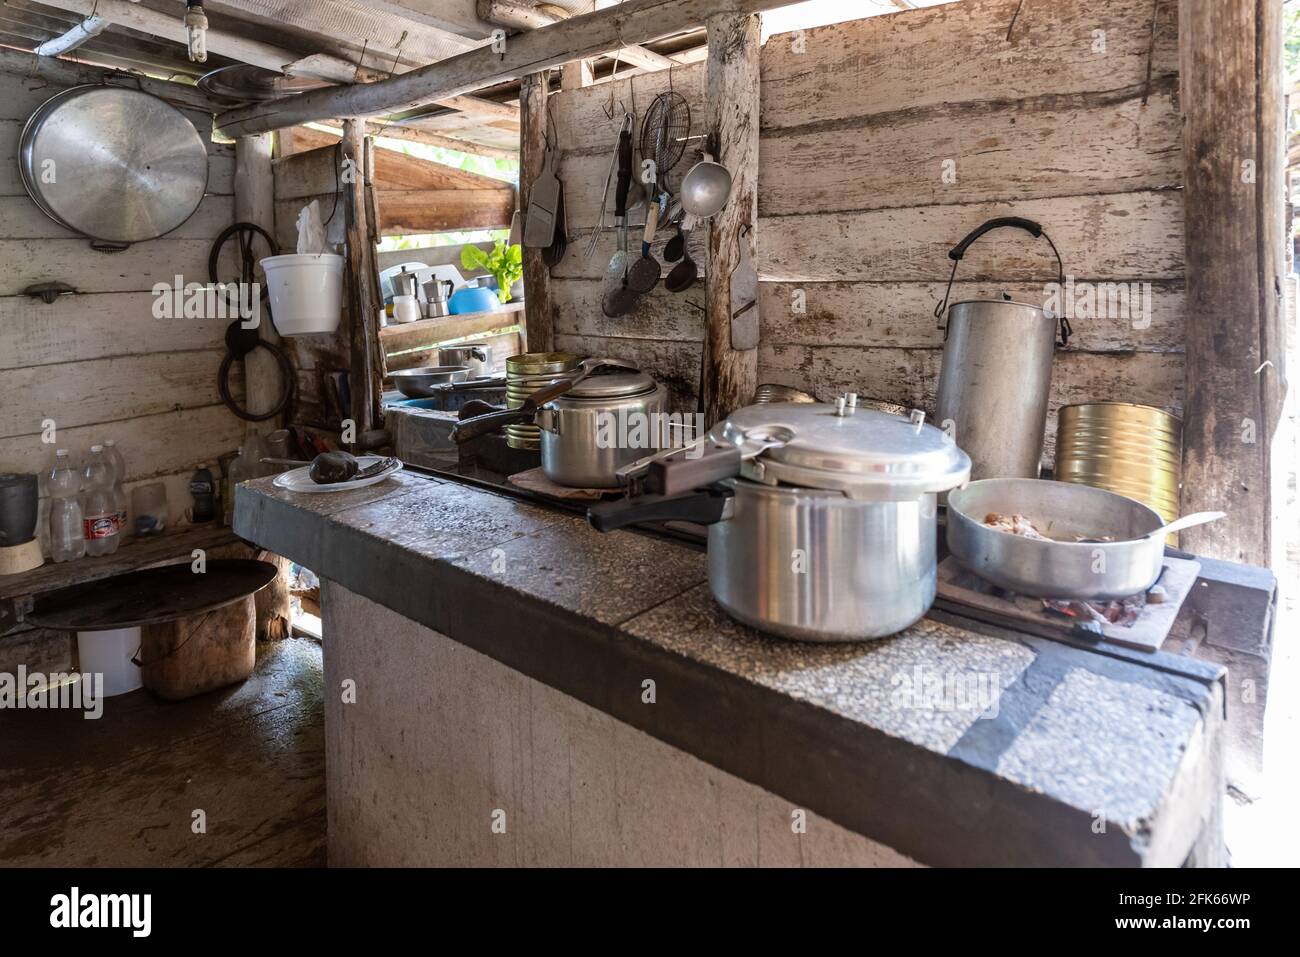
(731, 299)
(539, 324)
(255, 203)
(67, 73)
(363, 279)
(588, 35)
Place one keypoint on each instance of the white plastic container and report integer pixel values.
(306, 292)
(109, 653)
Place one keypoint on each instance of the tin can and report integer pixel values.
(525, 374)
(1134, 450)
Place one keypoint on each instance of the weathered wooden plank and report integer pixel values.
(413, 211)
(901, 315)
(302, 173)
(399, 337)
(977, 152)
(95, 326)
(959, 53)
(1124, 236)
(29, 261)
(534, 140)
(585, 123)
(730, 373)
(660, 314)
(107, 390)
(20, 218)
(675, 364)
(169, 443)
(1233, 149)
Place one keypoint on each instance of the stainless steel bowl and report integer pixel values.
(1099, 547)
(419, 383)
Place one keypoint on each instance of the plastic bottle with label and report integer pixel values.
(99, 512)
(113, 455)
(67, 541)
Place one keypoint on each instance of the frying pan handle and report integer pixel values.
(703, 508)
(1028, 225)
(624, 172)
(481, 425)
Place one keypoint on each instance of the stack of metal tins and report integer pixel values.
(525, 374)
(1133, 450)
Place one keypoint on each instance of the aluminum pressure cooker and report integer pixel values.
(821, 518)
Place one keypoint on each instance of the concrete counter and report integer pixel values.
(505, 685)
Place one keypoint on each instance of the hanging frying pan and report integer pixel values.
(116, 165)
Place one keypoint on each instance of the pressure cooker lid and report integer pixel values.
(863, 452)
(613, 385)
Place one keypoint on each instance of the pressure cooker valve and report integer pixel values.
(917, 418)
(846, 404)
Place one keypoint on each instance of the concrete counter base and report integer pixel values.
(503, 656)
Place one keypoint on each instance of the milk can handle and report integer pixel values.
(958, 251)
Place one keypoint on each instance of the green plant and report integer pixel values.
(505, 263)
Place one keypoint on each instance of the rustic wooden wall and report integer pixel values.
(856, 219)
(99, 363)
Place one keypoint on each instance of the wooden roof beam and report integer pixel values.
(636, 21)
(322, 66)
(70, 73)
(522, 17)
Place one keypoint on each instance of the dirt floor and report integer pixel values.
(124, 790)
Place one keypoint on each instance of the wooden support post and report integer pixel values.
(539, 324)
(255, 203)
(731, 300)
(1233, 154)
(363, 280)
(576, 74)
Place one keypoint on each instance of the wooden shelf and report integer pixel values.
(135, 554)
(401, 337)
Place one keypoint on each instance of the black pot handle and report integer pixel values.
(481, 425)
(703, 508)
(959, 251)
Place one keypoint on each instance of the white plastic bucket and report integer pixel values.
(109, 653)
(306, 292)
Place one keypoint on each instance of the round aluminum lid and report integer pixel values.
(864, 453)
(612, 385)
(114, 164)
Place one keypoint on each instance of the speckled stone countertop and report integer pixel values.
(953, 742)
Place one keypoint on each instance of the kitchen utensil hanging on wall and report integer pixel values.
(114, 164)
(543, 202)
(618, 299)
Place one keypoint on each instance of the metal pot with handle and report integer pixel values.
(822, 518)
(996, 377)
(591, 425)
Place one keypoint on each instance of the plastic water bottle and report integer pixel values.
(113, 455)
(67, 541)
(99, 512)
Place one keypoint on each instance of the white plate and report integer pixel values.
(299, 480)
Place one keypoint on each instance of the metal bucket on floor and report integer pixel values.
(525, 374)
(1134, 450)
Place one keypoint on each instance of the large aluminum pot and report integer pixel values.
(1100, 544)
(828, 531)
(589, 429)
(995, 384)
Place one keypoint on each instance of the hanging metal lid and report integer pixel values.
(865, 453)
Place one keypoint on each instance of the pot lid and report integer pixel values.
(612, 385)
(865, 453)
